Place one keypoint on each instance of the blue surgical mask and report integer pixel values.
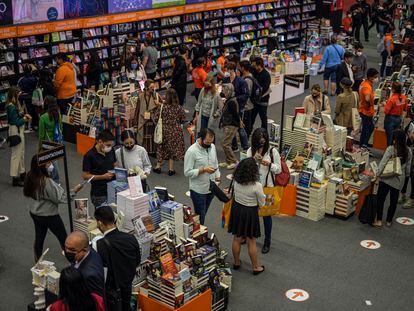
(134, 66)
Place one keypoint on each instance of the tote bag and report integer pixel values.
(273, 197)
(158, 129)
(226, 211)
(356, 118)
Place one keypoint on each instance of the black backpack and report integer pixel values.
(257, 91)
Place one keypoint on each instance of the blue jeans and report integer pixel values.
(367, 129)
(330, 73)
(391, 123)
(267, 223)
(203, 123)
(244, 140)
(55, 172)
(201, 203)
(260, 110)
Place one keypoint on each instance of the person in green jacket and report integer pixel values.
(16, 119)
(50, 129)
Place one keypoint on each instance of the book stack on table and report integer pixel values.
(311, 202)
(113, 188)
(132, 207)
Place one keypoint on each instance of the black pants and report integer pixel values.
(247, 120)
(31, 109)
(366, 28)
(356, 29)
(126, 298)
(64, 105)
(42, 224)
(262, 111)
(181, 93)
(197, 93)
(383, 190)
(404, 189)
(355, 86)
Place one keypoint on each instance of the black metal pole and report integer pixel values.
(65, 164)
(282, 117)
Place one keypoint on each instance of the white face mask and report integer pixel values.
(359, 53)
(376, 80)
(226, 54)
(50, 168)
(107, 149)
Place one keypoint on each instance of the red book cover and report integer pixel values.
(167, 264)
(299, 110)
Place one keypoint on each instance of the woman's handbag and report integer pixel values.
(392, 168)
(158, 129)
(368, 210)
(356, 118)
(218, 193)
(226, 211)
(14, 139)
(273, 197)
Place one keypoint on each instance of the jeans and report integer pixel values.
(42, 224)
(366, 130)
(98, 200)
(55, 172)
(204, 123)
(201, 203)
(391, 123)
(31, 110)
(381, 30)
(64, 105)
(244, 139)
(383, 190)
(229, 132)
(181, 93)
(267, 223)
(247, 120)
(262, 111)
(404, 189)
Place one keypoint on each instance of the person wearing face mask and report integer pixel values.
(268, 160)
(344, 104)
(403, 59)
(148, 102)
(230, 122)
(131, 156)
(120, 254)
(366, 106)
(263, 78)
(199, 76)
(317, 102)
(344, 70)
(394, 110)
(221, 63)
(99, 162)
(201, 167)
(359, 66)
(45, 196)
(407, 32)
(172, 147)
(64, 82)
(347, 23)
(133, 73)
(86, 260)
(208, 103)
(387, 53)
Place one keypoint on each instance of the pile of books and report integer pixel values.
(172, 212)
(85, 225)
(113, 188)
(310, 202)
(132, 207)
(345, 205)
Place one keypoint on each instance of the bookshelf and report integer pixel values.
(231, 23)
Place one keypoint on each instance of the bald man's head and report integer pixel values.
(76, 246)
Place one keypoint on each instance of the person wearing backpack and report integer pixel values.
(253, 88)
(50, 129)
(331, 59)
(267, 159)
(263, 78)
(27, 85)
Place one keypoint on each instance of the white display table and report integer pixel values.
(277, 91)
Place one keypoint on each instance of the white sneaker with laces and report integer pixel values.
(408, 204)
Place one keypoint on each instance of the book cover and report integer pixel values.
(167, 264)
(305, 179)
(81, 208)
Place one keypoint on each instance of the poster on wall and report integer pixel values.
(165, 3)
(83, 8)
(118, 6)
(6, 12)
(29, 11)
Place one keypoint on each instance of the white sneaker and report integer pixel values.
(402, 199)
(408, 204)
(231, 166)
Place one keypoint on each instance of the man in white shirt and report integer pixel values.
(201, 167)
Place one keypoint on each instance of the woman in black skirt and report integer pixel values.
(244, 218)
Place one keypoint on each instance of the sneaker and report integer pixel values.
(223, 164)
(231, 166)
(402, 199)
(408, 204)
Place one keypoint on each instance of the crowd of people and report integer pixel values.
(230, 99)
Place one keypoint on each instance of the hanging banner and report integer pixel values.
(118, 6)
(25, 11)
(84, 8)
(6, 12)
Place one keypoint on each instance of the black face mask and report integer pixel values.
(205, 146)
(70, 257)
(222, 95)
(129, 147)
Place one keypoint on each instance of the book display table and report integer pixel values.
(200, 303)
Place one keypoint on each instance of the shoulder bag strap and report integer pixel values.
(339, 54)
(108, 245)
(122, 157)
(269, 172)
(323, 103)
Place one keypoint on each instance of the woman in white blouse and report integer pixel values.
(133, 157)
(244, 216)
(268, 160)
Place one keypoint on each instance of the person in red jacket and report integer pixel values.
(394, 109)
(347, 23)
(74, 295)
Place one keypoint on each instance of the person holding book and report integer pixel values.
(65, 82)
(172, 147)
(51, 128)
(99, 163)
(45, 195)
(244, 223)
(120, 254)
(344, 104)
(133, 157)
(268, 162)
(394, 183)
(201, 167)
(317, 103)
(16, 119)
(74, 294)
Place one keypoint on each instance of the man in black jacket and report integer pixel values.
(120, 254)
(86, 260)
(344, 70)
(179, 75)
(263, 78)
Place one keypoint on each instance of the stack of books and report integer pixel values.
(316, 140)
(336, 139)
(220, 297)
(172, 212)
(345, 205)
(113, 188)
(296, 139)
(310, 202)
(208, 255)
(132, 207)
(85, 225)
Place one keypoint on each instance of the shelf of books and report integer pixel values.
(232, 23)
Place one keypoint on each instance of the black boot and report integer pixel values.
(17, 182)
(23, 176)
(266, 247)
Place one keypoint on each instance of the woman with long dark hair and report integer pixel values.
(45, 197)
(51, 128)
(46, 82)
(268, 162)
(94, 71)
(74, 295)
(244, 217)
(393, 184)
